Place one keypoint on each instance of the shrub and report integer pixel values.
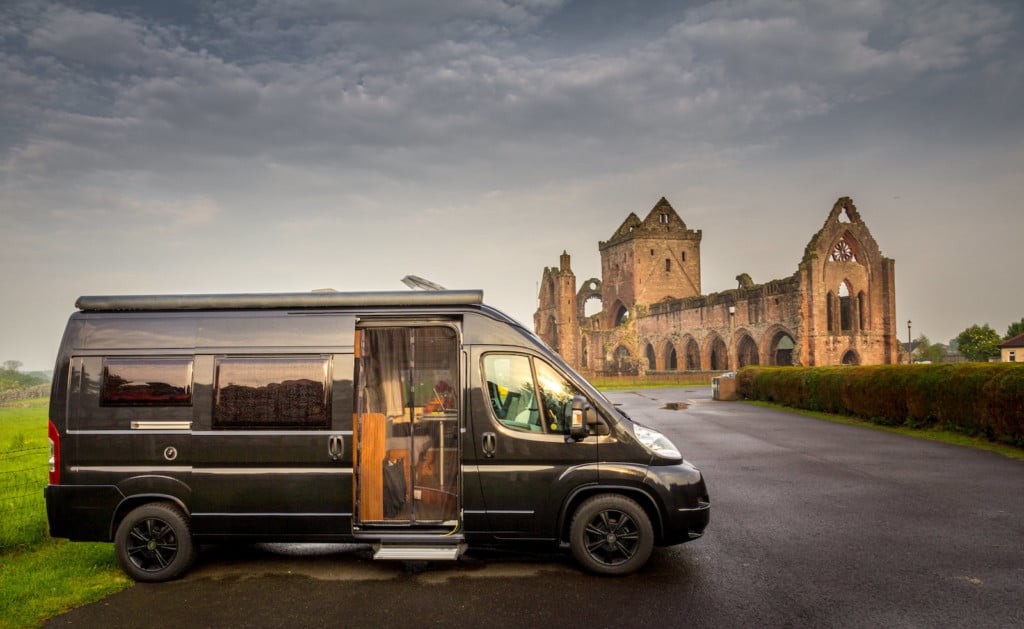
(974, 398)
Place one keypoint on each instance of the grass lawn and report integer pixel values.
(40, 577)
(54, 576)
(622, 383)
(24, 455)
(23, 425)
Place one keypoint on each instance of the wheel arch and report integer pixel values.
(637, 494)
(131, 503)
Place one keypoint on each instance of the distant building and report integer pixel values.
(1012, 350)
(838, 308)
(909, 349)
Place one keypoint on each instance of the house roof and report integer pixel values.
(1017, 341)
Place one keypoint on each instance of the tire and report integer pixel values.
(611, 534)
(153, 543)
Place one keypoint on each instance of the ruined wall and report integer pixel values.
(838, 308)
(720, 331)
(850, 293)
(617, 289)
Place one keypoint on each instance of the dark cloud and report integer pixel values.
(228, 119)
(454, 79)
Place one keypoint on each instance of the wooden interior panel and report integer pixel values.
(371, 438)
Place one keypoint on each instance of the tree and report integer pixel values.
(10, 378)
(978, 343)
(1014, 329)
(927, 351)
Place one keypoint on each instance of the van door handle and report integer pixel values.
(336, 446)
(489, 443)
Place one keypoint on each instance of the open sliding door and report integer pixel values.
(407, 432)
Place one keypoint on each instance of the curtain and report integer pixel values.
(391, 351)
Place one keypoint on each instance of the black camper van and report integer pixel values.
(419, 422)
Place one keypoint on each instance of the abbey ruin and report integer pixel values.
(837, 309)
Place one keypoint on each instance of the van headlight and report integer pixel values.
(656, 442)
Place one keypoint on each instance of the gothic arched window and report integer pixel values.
(845, 309)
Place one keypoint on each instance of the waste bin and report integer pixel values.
(723, 389)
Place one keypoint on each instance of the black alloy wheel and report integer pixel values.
(612, 535)
(153, 543)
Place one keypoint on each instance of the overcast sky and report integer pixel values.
(272, 145)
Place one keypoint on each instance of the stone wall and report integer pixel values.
(25, 393)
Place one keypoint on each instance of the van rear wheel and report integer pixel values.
(611, 534)
(153, 543)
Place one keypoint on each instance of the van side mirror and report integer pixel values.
(583, 416)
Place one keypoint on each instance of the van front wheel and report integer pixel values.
(611, 534)
(153, 543)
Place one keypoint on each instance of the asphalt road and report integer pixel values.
(813, 524)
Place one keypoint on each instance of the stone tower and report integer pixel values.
(556, 319)
(647, 262)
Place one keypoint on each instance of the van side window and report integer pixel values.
(146, 382)
(271, 392)
(510, 386)
(513, 382)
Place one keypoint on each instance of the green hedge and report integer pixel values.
(973, 398)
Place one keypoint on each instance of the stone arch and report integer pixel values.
(779, 347)
(830, 311)
(590, 307)
(623, 362)
(671, 358)
(619, 313)
(746, 351)
(851, 358)
(716, 353)
(587, 294)
(652, 359)
(692, 353)
(583, 353)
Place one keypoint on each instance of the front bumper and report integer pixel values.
(686, 506)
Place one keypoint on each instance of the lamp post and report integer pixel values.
(910, 344)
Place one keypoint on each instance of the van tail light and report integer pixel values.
(54, 454)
